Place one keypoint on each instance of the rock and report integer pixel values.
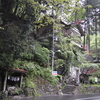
(11, 88)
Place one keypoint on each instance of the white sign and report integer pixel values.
(54, 73)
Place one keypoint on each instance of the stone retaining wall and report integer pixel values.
(87, 90)
(43, 87)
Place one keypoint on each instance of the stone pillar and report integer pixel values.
(77, 76)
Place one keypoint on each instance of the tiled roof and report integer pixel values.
(90, 71)
(17, 70)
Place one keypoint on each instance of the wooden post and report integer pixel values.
(5, 81)
(21, 79)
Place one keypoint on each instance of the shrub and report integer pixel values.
(91, 80)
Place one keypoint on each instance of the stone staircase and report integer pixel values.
(69, 89)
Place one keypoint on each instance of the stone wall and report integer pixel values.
(87, 90)
(43, 87)
(77, 90)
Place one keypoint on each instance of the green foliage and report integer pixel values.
(19, 64)
(92, 80)
(41, 55)
(59, 62)
(91, 65)
(28, 10)
(70, 53)
(78, 58)
(76, 38)
(6, 60)
(97, 73)
(44, 21)
(2, 28)
(93, 45)
(47, 74)
(36, 70)
(27, 56)
(75, 12)
(28, 82)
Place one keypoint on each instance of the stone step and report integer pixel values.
(68, 89)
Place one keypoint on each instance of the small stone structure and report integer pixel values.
(84, 76)
(74, 74)
(10, 78)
